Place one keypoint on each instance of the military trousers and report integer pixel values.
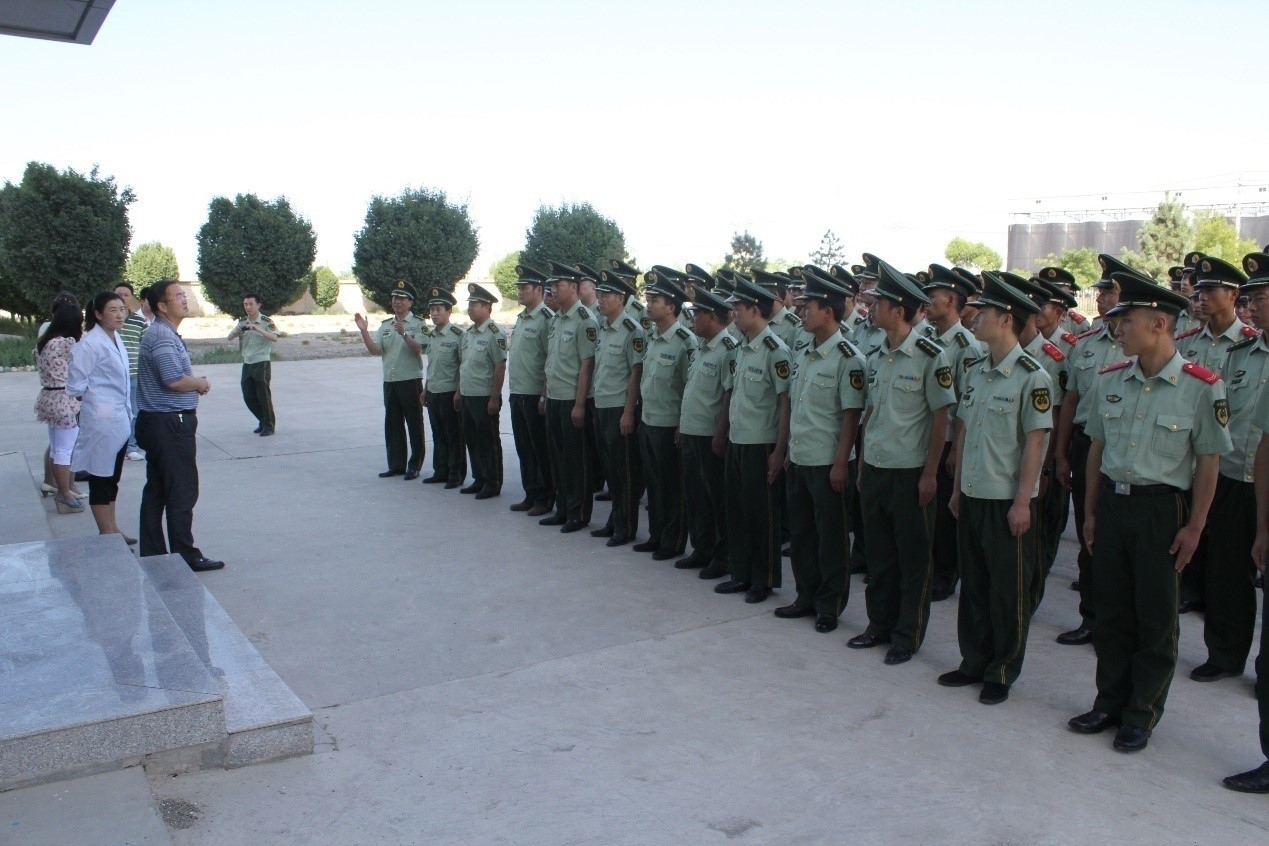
(1135, 591)
(995, 603)
(900, 567)
(484, 443)
(1229, 624)
(663, 474)
(257, 393)
(1262, 673)
(620, 454)
(706, 507)
(598, 478)
(528, 428)
(945, 547)
(1053, 509)
(1078, 455)
(449, 451)
(817, 529)
(402, 418)
(571, 459)
(753, 515)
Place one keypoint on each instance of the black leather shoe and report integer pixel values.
(1252, 781)
(1092, 722)
(866, 641)
(940, 594)
(473, 488)
(957, 679)
(605, 532)
(792, 612)
(539, 508)
(993, 693)
(1209, 672)
(1131, 738)
(757, 593)
(264, 433)
(650, 545)
(691, 562)
(203, 563)
(731, 586)
(1075, 585)
(519, 506)
(1188, 605)
(433, 480)
(388, 474)
(572, 526)
(603, 496)
(618, 540)
(255, 431)
(449, 486)
(410, 475)
(715, 570)
(488, 492)
(1076, 637)
(898, 655)
(787, 551)
(825, 623)
(666, 554)
(553, 520)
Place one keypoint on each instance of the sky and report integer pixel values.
(896, 125)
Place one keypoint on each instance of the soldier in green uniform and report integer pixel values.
(910, 387)
(618, 367)
(855, 313)
(1071, 321)
(826, 396)
(757, 422)
(703, 437)
(665, 365)
(449, 451)
(1094, 350)
(948, 293)
(256, 336)
(400, 342)
(784, 323)
(1228, 584)
(635, 309)
(1004, 420)
(570, 363)
(852, 280)
(526, 377)
(482, 367)
(1157, 430)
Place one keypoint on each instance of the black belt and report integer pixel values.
(1139, 490)
(184, 411)
(58, 388)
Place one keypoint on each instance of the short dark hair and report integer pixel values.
(1015, 320)
(909, 312)
(67, 322)
(766, 308)
(124, 283)
(62, 298)
(252, 295)
(99, 303)
(144, 293)
(157, 292)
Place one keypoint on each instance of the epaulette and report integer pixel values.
(1088, 333)
(683, 333)
(1188, 332)
(455, 330)
(1028, 363)
(863, 312)
(629, 324)
(771, 342)
(1243, 344)
(1248, 332)
(728, 342)
(1200, 372)
(267, 321)
(928, 347)
(1071, 338)
(847, 352)
(1077, 317)
(797, 321)
(1052, 351)
(961, 340)
(583, 313)
(495, 328)
(970, 362)
(1111, 368)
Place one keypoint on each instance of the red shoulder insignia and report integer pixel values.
(1088, 333)
(1053, 352)
(1200, 372)
(1249, 332)
(1076, 316)
(1070, 337)
(1111, 368)
(863, 312)
(1188, 332)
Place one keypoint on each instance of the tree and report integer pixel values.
(1162, 239)
(503, 273)
(60, 231)
(323, 284)
(831, 251)
(572, 233)
(149, 263)
(418, 237)
(971, 255)
(251, 245)
(1215, 236)
(1082, 263)
(745, 255)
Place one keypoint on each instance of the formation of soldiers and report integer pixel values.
(928, 429)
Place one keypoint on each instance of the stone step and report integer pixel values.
(22, 516)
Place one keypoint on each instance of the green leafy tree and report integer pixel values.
(149, 263)
(503, 273)
(60, 231)
(254, 245)
(831, 251)
(746, 254)
(1215, 236)
(572, 233)
(1162, 240)
(1082, 263)
(419, 237)
(972, 255)
(323, 284)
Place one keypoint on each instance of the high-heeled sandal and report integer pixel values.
(67, 505)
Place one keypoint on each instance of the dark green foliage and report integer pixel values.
(1163, 239)
(149, 263)
(745, 255)
(503, 272)
(973, 255)
(831, 251)
(323, 284)
(253, 245)
(1082, 263)
(570, 234)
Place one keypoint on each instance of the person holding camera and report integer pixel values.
(256, 336)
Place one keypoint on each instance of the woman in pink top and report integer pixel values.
(54, 405)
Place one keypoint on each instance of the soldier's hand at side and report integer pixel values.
(458, 401)
(1183, 546)
(495, 405)
(627, 423)
(926, 489)
(1043, 490)
(954, 504)
(1090, 524)
(1258, 550)
(678, 439)
(775, 465)
(950, 464)
(542, 407)
(360, 320)
(1019, 518)
(718, 444)
(1063, 472)
(839, 476)
(578, 416)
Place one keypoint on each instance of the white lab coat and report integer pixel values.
(99, 374)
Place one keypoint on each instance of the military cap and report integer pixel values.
(945, 277)
(737, 277)
(1057, 296)
(771, 281)
(666, 272)
(1177, 273)
(1192, 259)
(870, 270)
(845, 278)
(749, 293)
(656, 282)
(699, 276)
(586, 271)
(856, 269)
(1216, 273)
(997, 293)
(558, 270)
(439, 296)
(1038, 295)
(971, 279)
(723, 286)
(403, 289)
(527, 274)
(1257, 267)
(710, 301)
(477, 294)
(1109, 264)
(1058, 276)
(612, 283)
(921, 278)
(819, 288)
(725, 273)
(622, 268)
(896, 287)
(1137, 291)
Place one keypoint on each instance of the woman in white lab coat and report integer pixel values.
(99, 376)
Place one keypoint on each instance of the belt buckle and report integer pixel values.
(1123, 489)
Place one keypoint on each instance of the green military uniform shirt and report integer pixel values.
(787, 326)
(961, 349)
(574, 334)
(1000, 405)
(1152, 428)
(868, 338)
(665, 364)
(639, 312)
(905, 387)
(400, 363)
(1076, 323)
(828, 380)
(924, 328)
(253, 346)
(761, 372)
(1053, 360)
(685, 317)
(484, 347)
(442, 358)
(1091, 353)
(526, 372)
(620, 349)
(852, 321)
(1246, 372)
(1208, 349)
(1260, 417)
(708, 379)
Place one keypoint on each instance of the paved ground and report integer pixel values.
(477, 678)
